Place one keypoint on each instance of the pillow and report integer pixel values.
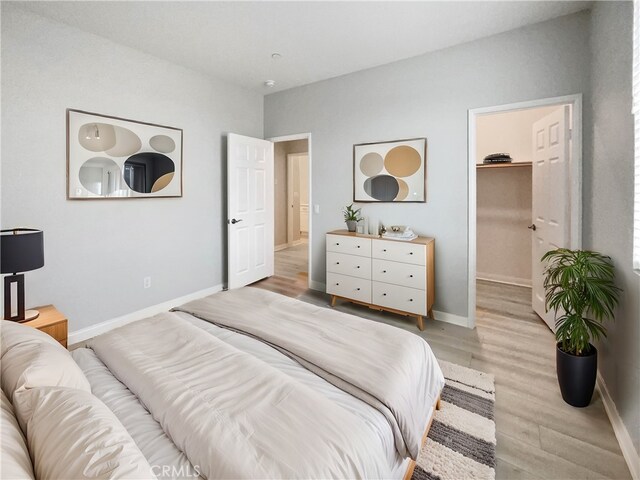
(31, 358)
(14, 455)
(72, 434)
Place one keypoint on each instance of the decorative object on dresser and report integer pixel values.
(52, 322)
(351, 217)
(111, 157)
(399, 232)
(22, 251)
(390, 171)
(392, 275)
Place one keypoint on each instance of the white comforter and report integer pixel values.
(392, 370)
(233, 415)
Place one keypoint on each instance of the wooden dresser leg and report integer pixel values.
(420, 322)
(333, 300)
(438, 404)
(430, 314)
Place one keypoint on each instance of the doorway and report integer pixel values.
(527, 202)
(292, 186)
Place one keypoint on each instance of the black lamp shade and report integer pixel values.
(21, 249)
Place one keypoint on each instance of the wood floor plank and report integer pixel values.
(538, 462)
(505, 469)
(602, 461)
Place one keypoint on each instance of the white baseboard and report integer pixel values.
(102, 327)
(622, 434)
(451, 318)
(489, 277)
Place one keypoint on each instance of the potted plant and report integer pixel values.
(580, 288)
(352, 217)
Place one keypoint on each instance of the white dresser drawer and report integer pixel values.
(397, 273)
(399, 298)
(351, 245)
(349, 287)
(349, 265)
(399, 252)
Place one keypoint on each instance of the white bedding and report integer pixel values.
(164, 457)
(391, 369)
(168, 460)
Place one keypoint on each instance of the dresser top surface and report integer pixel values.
(346, 233)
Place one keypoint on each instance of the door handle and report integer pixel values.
(233, 221)
(532, 227)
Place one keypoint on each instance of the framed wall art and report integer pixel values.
(390, 171)
(111, 157)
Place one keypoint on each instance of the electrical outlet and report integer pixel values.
(147, 282)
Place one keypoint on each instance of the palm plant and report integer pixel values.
(580, 288)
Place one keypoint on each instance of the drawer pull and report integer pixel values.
(384, 294)
(337, 243)
(410, 276)
(410, 253)
(358, 246)
(358, 288)
(384, 249)
(384, 271)
(358, 266)
(337, 283)
(411, 299)
(337, 263)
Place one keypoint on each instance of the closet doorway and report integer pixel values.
(524, 200)
(292, 184)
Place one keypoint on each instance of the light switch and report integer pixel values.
(316, 209)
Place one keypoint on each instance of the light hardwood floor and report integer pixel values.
(291, 277)
(538, 435)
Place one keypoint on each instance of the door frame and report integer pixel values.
(302, 136)
(575, 172)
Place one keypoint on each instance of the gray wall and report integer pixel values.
(503, 242)
(97, 252)
(608, 204)
(427, 96)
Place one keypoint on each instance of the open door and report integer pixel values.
(250, 217)
(551, 197)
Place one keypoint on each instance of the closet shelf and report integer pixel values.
(503, 165)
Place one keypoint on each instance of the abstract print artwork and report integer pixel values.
(390, 171)
(110, 157)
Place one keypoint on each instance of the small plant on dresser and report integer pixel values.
(351, 217)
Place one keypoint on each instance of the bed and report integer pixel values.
(251, 384)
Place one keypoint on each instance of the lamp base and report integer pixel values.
(30, 315)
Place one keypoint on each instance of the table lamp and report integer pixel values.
(21, 250)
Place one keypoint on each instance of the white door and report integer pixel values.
(250, 218)
(551, 197)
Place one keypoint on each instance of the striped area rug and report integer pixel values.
(462, 440)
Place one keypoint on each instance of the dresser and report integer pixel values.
(382, 274)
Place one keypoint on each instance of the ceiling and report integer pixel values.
(233, 41)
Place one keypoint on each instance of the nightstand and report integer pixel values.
(52, 322)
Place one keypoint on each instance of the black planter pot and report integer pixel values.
(577, 376)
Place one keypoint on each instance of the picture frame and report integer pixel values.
(115, 158)
(393, 171)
